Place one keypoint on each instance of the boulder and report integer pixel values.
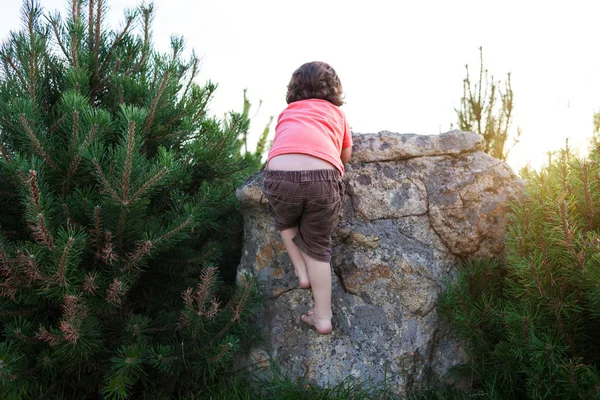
(415, 206)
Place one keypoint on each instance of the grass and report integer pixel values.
(278, 387)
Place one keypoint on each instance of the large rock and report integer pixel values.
(415, 205)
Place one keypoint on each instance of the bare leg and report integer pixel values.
(319, 274)
(296, 256)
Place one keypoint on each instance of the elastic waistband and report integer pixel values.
(304, 176)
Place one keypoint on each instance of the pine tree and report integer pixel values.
(531, 321)
(116, 209)
(480, 111)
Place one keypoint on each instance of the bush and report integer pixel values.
(116, 208)
(531, 322)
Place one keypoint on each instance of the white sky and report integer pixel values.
(401, 62)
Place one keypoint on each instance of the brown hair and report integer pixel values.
(315, 80)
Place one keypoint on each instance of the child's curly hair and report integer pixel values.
(315, 80)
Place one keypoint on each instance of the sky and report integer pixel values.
(401, 62)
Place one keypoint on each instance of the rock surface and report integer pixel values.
(415, 205)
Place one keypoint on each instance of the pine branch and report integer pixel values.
(108, 252)
(114, 292)
(96, 232)
(171, 122)
(55, 126)
(104, 81)
(32, 66)
(128, 160)
(60, 277)
(185, 223)
(70, 333)
(36, 142)
(75, 9)
(75, 131)
(40, 231)
(161, 88)
(27, 261)
(187, 297)
(74, 38)
(566, 228)
(106, 186)
(16, 71)
(462, 301)
(32, 76)
(176, 135)
(225, 348)
(135, 257)
(201, 110)
(137, 67)
(97, 43)
(260, 146)
(48, 337)
(236, 168)
(116, 42)
(89, 284)
(588, 209)
(73, 315)
(192, 76)
(237, 310)
(19, 335)
(196, 302)
(54, 24)
(35, 191)
(149, 183)
(91, 25)
(70, 220)
(145, 45)
(204, 292)
(221, 143)
(545, 261)
(533, 269)
(79, 156)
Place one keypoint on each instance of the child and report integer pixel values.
(303, 179)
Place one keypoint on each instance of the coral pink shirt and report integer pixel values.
(315, 127)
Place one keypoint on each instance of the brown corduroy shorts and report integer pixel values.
(310, 200)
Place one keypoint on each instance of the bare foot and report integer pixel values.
(322, 325)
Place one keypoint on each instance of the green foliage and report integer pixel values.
(531, 322)
(116, 208)
(278, 387)
(480, 111)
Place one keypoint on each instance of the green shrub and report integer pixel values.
(278, 387)
(531, 322)
(116, 208)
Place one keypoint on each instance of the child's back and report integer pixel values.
(303, 180)
(312, 127)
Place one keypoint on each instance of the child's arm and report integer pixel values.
(346, 154)
(346, 144)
